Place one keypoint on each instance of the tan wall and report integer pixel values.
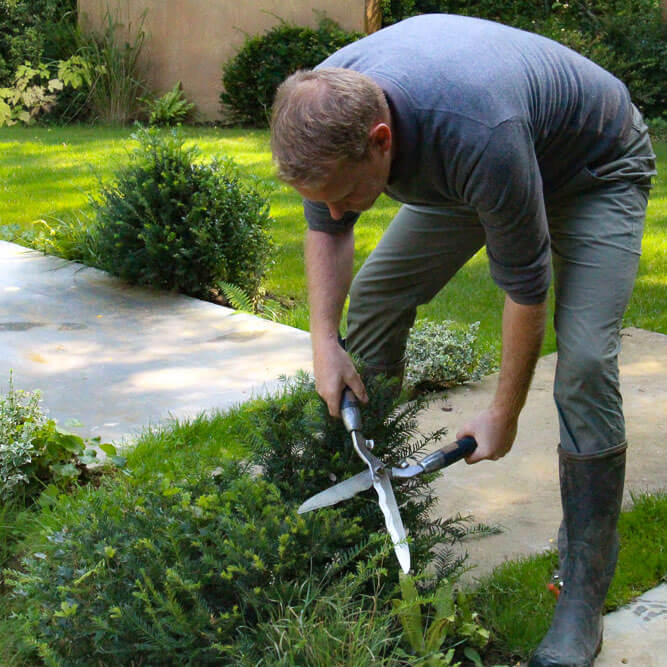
(188, 40)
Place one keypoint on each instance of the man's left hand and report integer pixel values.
(494, 432)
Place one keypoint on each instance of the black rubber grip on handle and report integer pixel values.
(450, 454)
(349, 411)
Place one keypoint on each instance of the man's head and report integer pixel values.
(331, 138)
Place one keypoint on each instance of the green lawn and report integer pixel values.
(49, 173)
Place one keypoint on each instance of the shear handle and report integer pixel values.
(349, 411)
(449, 454)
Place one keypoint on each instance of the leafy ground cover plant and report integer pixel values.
(39, 462)
(428, 619)
(34, 452)
(252, 76)
(34, 89)
(173, 223)
(441, 355)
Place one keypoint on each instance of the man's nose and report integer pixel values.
(337, 212)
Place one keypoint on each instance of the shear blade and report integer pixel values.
(386, 499)
(339, 492)
(392, 519)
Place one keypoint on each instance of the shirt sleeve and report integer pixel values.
(319, 219)
(505, 187)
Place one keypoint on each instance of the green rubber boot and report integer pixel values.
(591, 493)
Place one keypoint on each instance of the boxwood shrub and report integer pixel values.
(251, 77)
(171, 222)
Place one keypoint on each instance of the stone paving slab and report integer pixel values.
(520, 493)
(118, 358)
(636, 635)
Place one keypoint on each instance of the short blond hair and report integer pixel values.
(320, 118)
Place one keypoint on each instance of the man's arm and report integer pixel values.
(329, 263)
(495, 428)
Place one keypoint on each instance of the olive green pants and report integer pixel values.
(595, 222)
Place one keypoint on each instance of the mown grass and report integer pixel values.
(49, 173)
(517, 606)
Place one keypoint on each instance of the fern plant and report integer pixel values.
(429, 619)
(261, 305)
(170, 109)
(237, 297)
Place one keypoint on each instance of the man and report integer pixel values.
(488, 135)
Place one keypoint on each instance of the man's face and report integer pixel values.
(353, 186)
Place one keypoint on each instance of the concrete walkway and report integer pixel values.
(520, 492)
(116, 359)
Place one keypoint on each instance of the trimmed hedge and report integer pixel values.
(251, 78)
(171, 222)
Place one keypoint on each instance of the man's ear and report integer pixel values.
(380, 137)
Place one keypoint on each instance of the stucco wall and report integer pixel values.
(188, 40)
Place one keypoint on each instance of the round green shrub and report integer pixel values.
(173, 223)
(251, 78)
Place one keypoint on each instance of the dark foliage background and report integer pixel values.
(34, 30)
(626, 37)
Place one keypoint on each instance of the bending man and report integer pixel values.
(488, 136)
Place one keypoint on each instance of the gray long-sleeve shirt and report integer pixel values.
(492, 117)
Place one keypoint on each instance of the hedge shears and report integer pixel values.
(379, 476)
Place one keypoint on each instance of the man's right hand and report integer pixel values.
(334, 370)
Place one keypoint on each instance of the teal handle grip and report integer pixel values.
(450, 454)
